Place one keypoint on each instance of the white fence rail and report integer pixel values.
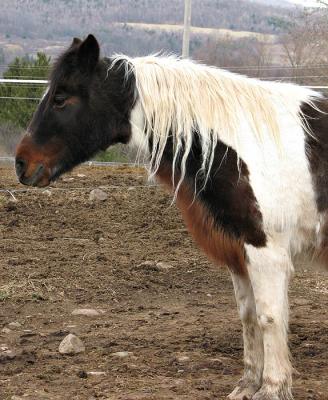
(32, 81)
(44, 82)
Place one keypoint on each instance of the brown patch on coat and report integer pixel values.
(317, 153)
(219, 246)
(320, 252)
(227, 196)
(317, 149)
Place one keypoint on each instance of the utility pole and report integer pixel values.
(186, 29)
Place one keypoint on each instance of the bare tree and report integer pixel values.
(227, 52)
(305, 45)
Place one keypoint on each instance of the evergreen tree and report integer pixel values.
(20, 110)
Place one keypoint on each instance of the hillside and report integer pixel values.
(42, 18)
(196, 30)
(27, 26)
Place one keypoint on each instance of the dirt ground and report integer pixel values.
(177, 321)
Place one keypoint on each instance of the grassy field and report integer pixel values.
(197, 30)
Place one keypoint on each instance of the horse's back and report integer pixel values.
(289, 178)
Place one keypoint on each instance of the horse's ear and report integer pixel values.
(88, 54)
(76, 41)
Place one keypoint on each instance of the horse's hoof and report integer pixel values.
(243, 393)
(265, 394)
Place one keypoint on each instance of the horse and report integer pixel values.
(246, 162)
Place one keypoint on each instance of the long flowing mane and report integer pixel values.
(180, 98)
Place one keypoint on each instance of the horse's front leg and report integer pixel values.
(269, 270)
(251, 381)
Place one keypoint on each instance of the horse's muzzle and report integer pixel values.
(34, 178)
(34, 163)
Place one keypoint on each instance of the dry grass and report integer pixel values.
(26, 289)
(197, 30)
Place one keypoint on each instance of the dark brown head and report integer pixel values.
(85, 109)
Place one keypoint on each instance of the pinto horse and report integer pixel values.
(246, 161)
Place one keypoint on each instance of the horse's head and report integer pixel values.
(85, 109)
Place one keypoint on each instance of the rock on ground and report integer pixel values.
(164, 266)
(14, 325)
(88, 312)
(6, 354)
(122, 354)
(98, 195)
(71, 344)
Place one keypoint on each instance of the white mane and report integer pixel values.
(180, 97)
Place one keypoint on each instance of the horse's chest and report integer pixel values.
(220, 246)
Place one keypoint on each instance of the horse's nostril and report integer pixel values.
(21, 166)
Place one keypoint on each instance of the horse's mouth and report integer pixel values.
(38, 178)
(38, 165)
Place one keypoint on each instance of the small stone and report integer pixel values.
(6, 354)
(82, 374)
(148, 266)
(96, 373)
(98, 195)
(216, 360)
(71, 344)
(183, 359)
(87, 312)
(164, 266)
(80, 175)
(301, 302)
(179, 382)
(14, 325)
(122, 354)
(6, 330)
(11, 204)
(69, 179)
(47, 192)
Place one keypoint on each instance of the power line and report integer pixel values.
(39, 98)
(306, 66)
(266, 67)
(28, 82)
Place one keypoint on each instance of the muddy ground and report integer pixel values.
(59, 252)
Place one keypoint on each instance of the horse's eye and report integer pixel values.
(60, 100)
